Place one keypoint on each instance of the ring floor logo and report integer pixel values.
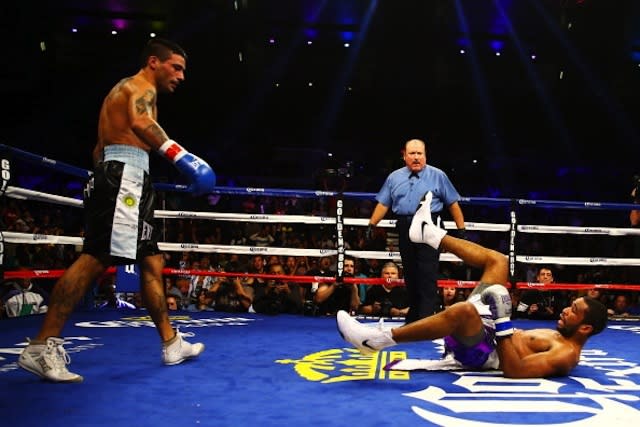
(478, 399)
(75, 344)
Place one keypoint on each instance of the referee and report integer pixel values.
(401, 192)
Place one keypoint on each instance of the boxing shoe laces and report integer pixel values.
(48, 361)
(367, 339)
(422, 228)
(177, 350)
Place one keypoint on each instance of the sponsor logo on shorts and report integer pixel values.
(147, 231)
(129, 200)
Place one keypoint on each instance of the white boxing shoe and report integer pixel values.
(48, 360)
(422, 229)
(367, 339)
(178, 350)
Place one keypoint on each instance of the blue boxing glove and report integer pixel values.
(499, 301)
(202, 177)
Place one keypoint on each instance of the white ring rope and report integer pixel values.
(25, 194)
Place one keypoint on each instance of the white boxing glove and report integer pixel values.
(499, 301)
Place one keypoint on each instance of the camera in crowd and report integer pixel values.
(635, 188)
(334, 173)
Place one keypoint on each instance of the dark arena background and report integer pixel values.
(527, 98)
(302, 108)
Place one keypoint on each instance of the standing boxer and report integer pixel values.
(119, 210)
(478, 332)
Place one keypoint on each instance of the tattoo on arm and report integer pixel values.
(157, 132)
(146, 103)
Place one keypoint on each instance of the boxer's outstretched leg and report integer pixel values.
(367, 339)
(422, 229)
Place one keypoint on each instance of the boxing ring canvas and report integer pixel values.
(297, 371)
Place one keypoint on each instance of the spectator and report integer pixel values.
(541, 304)
(172, 303)
(21, 297)
(622, 307)
(321, 268)
(388, 299)
(448, 296)
(257, 266)
(230, 295)
(263, 237)
(109, 296)
(333, 296)
(597, 293)
(277, 296)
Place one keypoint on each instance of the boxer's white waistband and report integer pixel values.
(127, 154)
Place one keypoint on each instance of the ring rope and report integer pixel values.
(15, 237)
(26, 194)
(486, 201)
(444, 283)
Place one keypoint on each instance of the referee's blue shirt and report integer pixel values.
(402, 192)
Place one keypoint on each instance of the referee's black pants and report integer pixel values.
(420, 264)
